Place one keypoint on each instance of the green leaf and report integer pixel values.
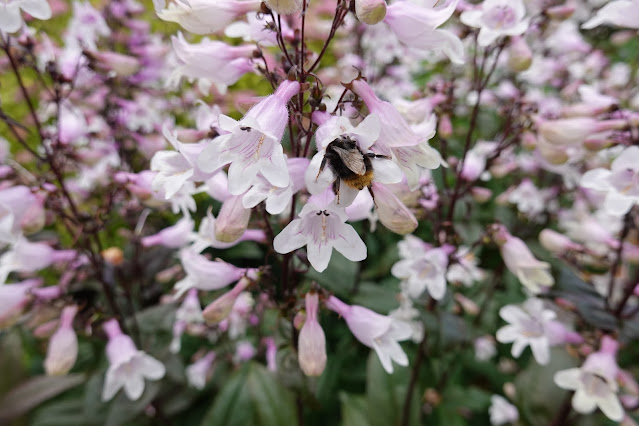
(385, 394)
(252, 396)
(354, 410)
(35, 391)
(376, 297)
(542, 398)
(339, 277)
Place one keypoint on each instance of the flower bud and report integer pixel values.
(175, 236)
(121, 65)
(285, 7)
(232, 220)
(392, 212)
(370, 12)
(198, 372)
(63, 345)
(555, 242)
(311, 347)
(113, 255)
(13, 299)
(480, 195)
(445, 127)
(221, 307)
(519, 55)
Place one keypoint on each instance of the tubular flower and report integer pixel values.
(311, 347)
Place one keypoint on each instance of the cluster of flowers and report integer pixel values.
(114, 133)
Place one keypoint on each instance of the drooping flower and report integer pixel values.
(376, 331)
(620, 183)
(595, 382)
(63, 345)
(25, 256)
(285, 7)
(10, 18)
(13, 299)
(410, 151)
(221, 307)
(253, 143)
(622, 13)
(175, 236)
(198, 372)
(205, 274)
(203, 16)
(391, 212)
(321, 226)
(311, 343)
(416, 25)
(128, 366)
(527, 326)
(531, 272)
(211, 62)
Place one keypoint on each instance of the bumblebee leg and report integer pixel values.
(336, 186)
(370, 189)
(321, 169)
(373, 155)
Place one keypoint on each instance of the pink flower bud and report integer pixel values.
(271, 354)
(392, 212)
(175, 236)
(558, 334)
(221, 307)
(480, 195)
(232, 220)
(519, 55)
(311, 346)
(370, 12)
(467, 305)
(555, 242)
(122, 65)
(63, 345)
(573, 131)
(445, 127)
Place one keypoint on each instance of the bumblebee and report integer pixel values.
(349, 164)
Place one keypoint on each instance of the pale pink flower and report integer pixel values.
(370, 12)
(285, 7)
(232, 220)
(205, 274)
(128, 366)
(620, 183)
(25, 256)
(10, 18)
(501, 411)
(321, 227)
(622, 13)
(253, 144)
(175, 236)
(425, 270)
(416, 25)
(222, 307)
(595, 382)
(410, 151)
(391, 212)
(207, 235)
(211, 63)
(376, 331)
(497, 18)
(198, 372)
(244, 351)
(311, 343)
(277, 199)
(63, 345)
(527, 326)
(532, 273)
(203, 16)
(14, 298)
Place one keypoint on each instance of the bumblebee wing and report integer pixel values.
(353, 159)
